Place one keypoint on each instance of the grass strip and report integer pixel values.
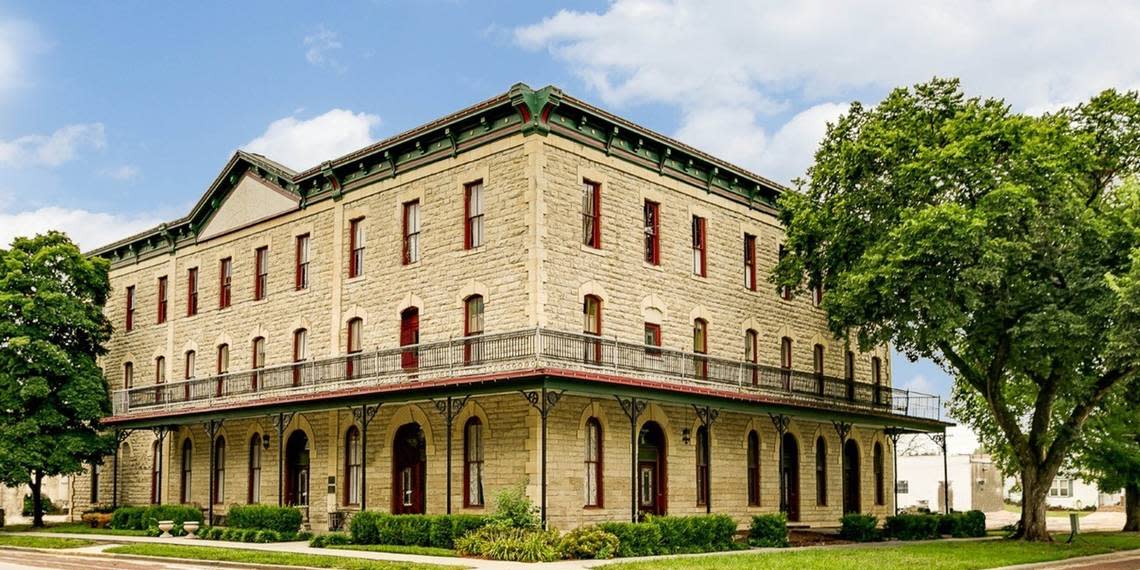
(267, 557)
(30, 541)
(396, 549)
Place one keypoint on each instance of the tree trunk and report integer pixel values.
(1132, 508)
(1034, 487)
(37, 499)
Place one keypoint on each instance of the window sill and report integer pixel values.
(593, 250)
(357, 279)
(413, 264)
(260, 301)
(701, 278)
(656, 267)
(472, 251)
(593, 507)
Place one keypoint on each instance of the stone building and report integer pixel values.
(530, 291)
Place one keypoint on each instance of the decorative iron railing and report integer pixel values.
(523, 350)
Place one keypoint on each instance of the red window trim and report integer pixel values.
(750, 262)
(224, 347)
(752, 340)
(255, 366)
(130, 319)
(301, 266)
(355, 249)
(597, 356)
(350, 361)
(598, 465)
(186, 467)
(408, 236)
(701, 363)
(191, 291)
(261, 272)
(596, 215)
(655, 331)
(652, 214)
(785, 291)
(348, 434)
(255, 450)
(297, 360)
(468, 219)
(700, 243)
(468, 462)
(225, 282)
(163, 299)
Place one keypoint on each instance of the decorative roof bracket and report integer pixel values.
(330, 175)
(535, 106)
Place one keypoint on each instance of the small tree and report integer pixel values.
(52, 393)
(1003, 246)
(1110, 453)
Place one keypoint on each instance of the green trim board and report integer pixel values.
(522, 109)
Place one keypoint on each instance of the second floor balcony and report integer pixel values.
(520, 351)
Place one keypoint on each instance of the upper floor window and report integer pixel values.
(226, 272)
(223, 358)
(592, 214)
(355, 342)
(750, 262)
(411, 232)
(160, 370)
(162, 297)
(258, 360)
(356, 248)
(849, 366)
(700, 246)
(652, 339)
(592, 325)
(191, 363)
(652, 233)
(130, 324)
(751, 353)
(300, 353)
(128, 374)
(473, 327)
(473, 215)
(261, 273)
(877, 378)
(701, 347)
(786, 360)
(192, 292)
(301, 273)
(785, 291)
(816, 295)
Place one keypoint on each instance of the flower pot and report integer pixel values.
(165, 527)
(190, 527)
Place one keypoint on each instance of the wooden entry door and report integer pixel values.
(791, 476)
(297, 469)
(851, 487)
(410, 336)
(652, 490)
(409, 470)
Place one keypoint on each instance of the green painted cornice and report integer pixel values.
(546, 111)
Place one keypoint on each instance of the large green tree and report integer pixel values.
(1001, 245)
(1110, 452)
(52, 393)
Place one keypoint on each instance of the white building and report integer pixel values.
(1070, 493)
(975, 482)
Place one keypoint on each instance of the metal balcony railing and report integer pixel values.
(524, 350)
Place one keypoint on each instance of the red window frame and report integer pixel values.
(474, 458)
(301, 262)
(652, 339)
(786, 360)
(592, 214)
(750, 262)
(353, 346)
(849, 374)
(592, 327)
(652, 223)
(817, 364)
(412, 251)
(191, 291)
(222, 356)
(877, 378)
(353, 466)
(225, 282)
(257, 360)
(355, 247)
(753, 460)
(300, 353)
(159, 378)
(785, 291)
(189, 363)
(701, 347)
(594, 464)
(472, 327)
(410, 336)
(130, 317)
(473, 236)
(816, 295)
(700, 246)
(261, 273)
(187, 471)
(162, 299)
(751, 353)
(128, 374)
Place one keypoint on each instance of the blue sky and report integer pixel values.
(115, 116)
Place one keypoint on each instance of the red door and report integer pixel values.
(410, 336)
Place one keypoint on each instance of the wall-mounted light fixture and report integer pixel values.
(686, 435)
(265, 441)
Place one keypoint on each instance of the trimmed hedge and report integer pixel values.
(587, 542)
(859, 528)
(330, 539)
(440, 531)
(128, 518)
(929, 526)
(769, 531)
(284, 520)
(141, 518)
(634, 539)
(673, 535)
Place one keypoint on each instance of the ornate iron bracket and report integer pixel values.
(633, 407)
(449, 408)
(536, 399)
(893, 434)
(939, 439)
(365, 414)
(843, 429)
(780, 421)
(282, 421)
(706, 414)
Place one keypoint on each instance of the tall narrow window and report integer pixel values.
(355, 342)
(191, 358)
(301, 273)
(187, 463)
(223, 361)
(128, 375)
(877, 378)
(473, 463)
(816, 295)
(593, 463)
(753, 469)
(253, 494)
(750, 262)
(356, 248)
(353, 466)
(130, 324)
(411, 232)
(219, 470)
(592, 315)
(191, 291)
(473, 215)
(751, 354)
(877, 466)
(652, 339)
(817, 367)
(592, 214)
(257, 360)
(156, 472)
(300, 353)
(700, 246)
(820, 472)
(410, 337)
(785, 291)
(652, 233)
(261, 273)
(160, 370)
(96, 470)
(786, 361)
(701, 348)
(473, 329)
(226, 273)
(162, 298)
(849, 374)
(702, 465)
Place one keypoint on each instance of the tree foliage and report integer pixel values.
(52, 329)
(1001, 245)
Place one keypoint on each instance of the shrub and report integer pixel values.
(212, 533)
(128, 518)
(514, 509)
(285, 520)
(703, 533)
(440, 531)
(501, 542)
(588, 542)
(859, 528)
(266, 536)
(769, 531)
(362, 527)
(330, 539)
(45, 504)
(913, 526)
(634, 539)
(974, 524)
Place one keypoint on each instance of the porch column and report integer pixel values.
(544, 402)
(633, 408)
(707, 415)
(843, 430)
(281, 421)
(893, 434)
(449, 409)
(212, 428)
(160, 434)
(363, 416)
(780, 422)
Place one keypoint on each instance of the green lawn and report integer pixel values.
(948, 555)
(28, 541)
(72, 528)
(1016, 509)
(269, 558)
(421, 550)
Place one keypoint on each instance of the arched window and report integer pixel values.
(219, 470)
(159, 378)
(702, 465)
(753, 468)
(473, 327)
(352, 466)
(786, 361)
(701, 347)
(156, 472)
(821, 472)
(751, 354)
(128, 375)
(300, 353)
(189, 365)
(593, 463)
(592, 325)
(877, 462)
(355, 342)
(187, 462)
(254, 492)
(258, 360)
(223, 366)
(473, 463)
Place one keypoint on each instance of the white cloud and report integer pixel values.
(121, 173)
(300, 144)
(735, 65)
(17, 40)
(918, 384)
(320, 44)
(88, 229)
(54, 149)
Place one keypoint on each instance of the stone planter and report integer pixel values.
(165, 527)
(190, 527)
